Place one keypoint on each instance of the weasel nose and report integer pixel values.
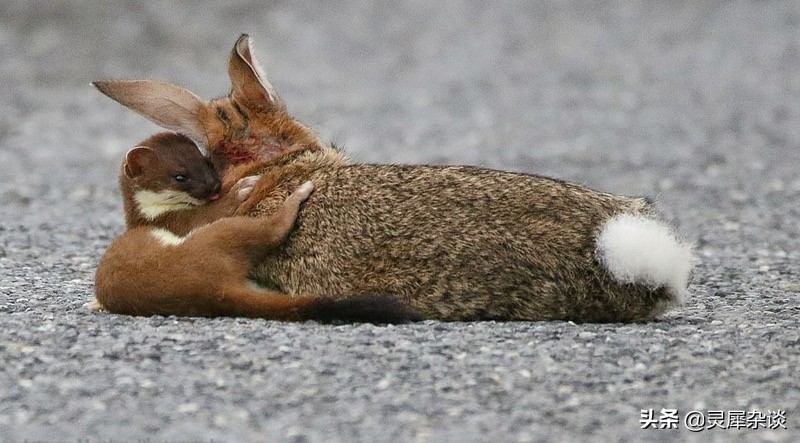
(215, 192)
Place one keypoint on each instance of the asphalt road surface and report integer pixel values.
(694, 103)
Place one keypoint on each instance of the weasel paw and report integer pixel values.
(244, 187)
(95, 305)
(304, 190)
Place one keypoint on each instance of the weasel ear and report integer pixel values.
(249, 84)
(137, 159)
(165, 104)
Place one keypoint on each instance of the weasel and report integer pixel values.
(186, 253)
(161, 265)
(173, 260)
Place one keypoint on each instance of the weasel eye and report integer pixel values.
(180, 178)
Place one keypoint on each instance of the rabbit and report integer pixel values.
(457, 243)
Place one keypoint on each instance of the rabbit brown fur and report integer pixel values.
(455, 242)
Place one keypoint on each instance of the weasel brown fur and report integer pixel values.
(186, 254)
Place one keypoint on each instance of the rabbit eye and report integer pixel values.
(180, 178)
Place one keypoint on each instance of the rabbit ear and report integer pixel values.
(137, 159)
(164, 104)
(248, 82)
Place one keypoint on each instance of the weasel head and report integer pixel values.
(168, 173)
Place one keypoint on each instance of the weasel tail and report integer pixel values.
(636, 249)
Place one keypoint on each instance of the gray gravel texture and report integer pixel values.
(695, 103)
